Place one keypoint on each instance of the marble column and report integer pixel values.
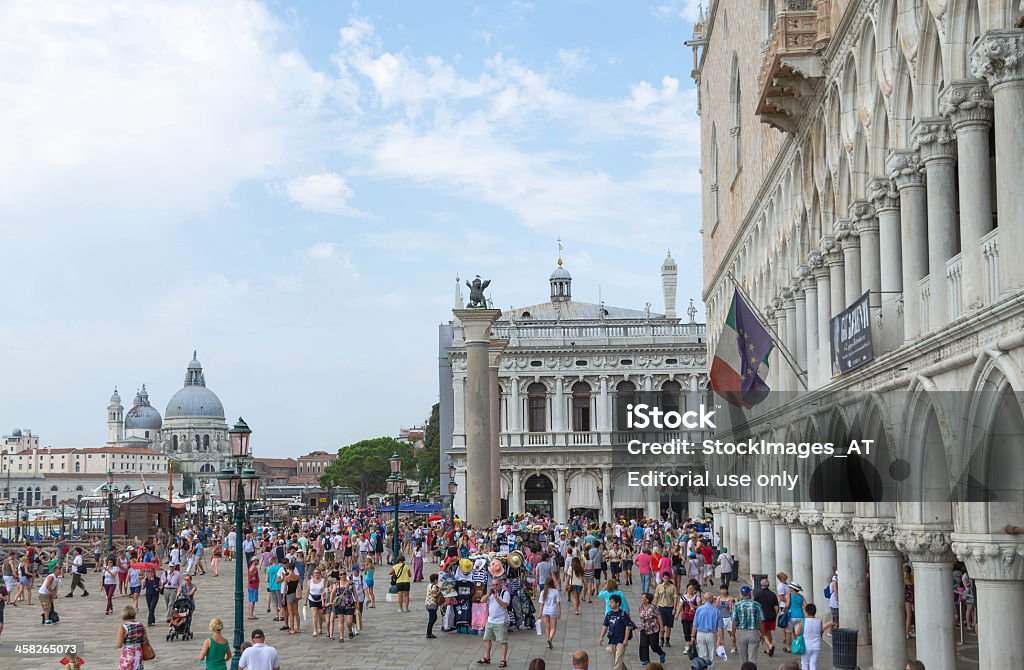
(477, 325)
(968, 105)
(823, 553)
(803, 569)
(904, 169)
(606, 495)
(515, 502)
(823, 280)
(836, 275)
(997, 57)
(769, 564)
(561, 502)
(886, 201)
(494, 349)
(866, 224)
(743, 543)
(847, 237)
(783, 546)
(996, 563)
(810, 293)
(515, 423)
(789, 337)
(603, 415)
(754, 545)
(937, 147)
(558, 409)
(734, 535)
(931, 558)
(852, 564)
(888, 647)
(800, 325)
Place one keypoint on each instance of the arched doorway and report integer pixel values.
(539, 495)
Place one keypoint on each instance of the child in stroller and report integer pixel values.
(181, 619)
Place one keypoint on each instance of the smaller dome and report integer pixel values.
(116, 398)
(16, 432)
(144, 417)
(194, 363)
(561, 273)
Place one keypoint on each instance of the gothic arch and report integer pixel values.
(926, 495)
(930, 70)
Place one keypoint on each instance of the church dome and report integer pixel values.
(194, 400)
(142, 415)
(560, 273)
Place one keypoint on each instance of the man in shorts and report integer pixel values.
(496, 629)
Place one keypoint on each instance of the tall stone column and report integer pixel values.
(558, 408)
(494, 349)
(810, 293)
(734, 535)
(561, 502)
(836, 276)
(937, 147)
(803, 569)
(931, 558)
(754, 544)
(783, 545)
(886, 201)
(888, 648)
(477, 325)
(768, 555)
(852, 564)
(789, 309)
(823, 552)
(743, 542)
(999, 57)
(606, 495)
(823, 280)
(515, 422)
(515, 503)
(905, 170)
(996, 563)
(846, 235)
(800, 325)
(603, 406)
(968, 105)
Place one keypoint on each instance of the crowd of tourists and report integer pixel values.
(316, 576)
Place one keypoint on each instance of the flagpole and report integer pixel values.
(787, 355)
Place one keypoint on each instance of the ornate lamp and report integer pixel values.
(239, 434)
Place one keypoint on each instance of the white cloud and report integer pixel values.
(169, 106)
(326, 193)
(687, 10)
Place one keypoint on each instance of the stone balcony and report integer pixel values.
(792, 68)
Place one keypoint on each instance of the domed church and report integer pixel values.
(192, 431)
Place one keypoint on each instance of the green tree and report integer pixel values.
(432, 432)
(364, 468)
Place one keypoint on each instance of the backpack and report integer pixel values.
(828, 591)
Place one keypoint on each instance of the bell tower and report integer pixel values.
(115, 419)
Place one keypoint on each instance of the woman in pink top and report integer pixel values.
(643, 567)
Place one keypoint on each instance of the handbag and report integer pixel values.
(691, 653)
(783, 620)
(798, 647)
(147, 651)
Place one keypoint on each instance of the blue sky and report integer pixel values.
(292, 187)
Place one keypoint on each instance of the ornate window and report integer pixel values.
(174, 442)
(670, 394)
(197, 442)
(625, 395)
(737, 115)
(581, 407)
(537, 401)
(206, 442)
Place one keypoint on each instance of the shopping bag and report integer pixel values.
(538, 627)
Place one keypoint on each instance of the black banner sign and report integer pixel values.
(851, 337)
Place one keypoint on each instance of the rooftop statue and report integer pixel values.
(476, 293)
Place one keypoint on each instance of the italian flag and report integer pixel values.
(741, 356)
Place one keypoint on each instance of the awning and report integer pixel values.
(625, 496)
(583, 492)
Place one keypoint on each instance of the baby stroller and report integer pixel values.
(181, 619)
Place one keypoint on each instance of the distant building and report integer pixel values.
(275, 471)
(312, 465)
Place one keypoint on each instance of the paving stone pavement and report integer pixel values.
(390, 639)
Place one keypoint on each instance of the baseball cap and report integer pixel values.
(745, 590)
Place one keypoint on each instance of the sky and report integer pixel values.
(291, 188)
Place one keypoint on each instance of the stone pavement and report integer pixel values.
(390, 639)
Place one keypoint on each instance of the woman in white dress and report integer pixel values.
(551, 610)
(812, 629)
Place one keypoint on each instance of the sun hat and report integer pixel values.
(465, 565)
(793, 586)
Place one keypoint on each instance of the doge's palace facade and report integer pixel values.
(877, 146)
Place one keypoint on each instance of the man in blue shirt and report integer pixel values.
(619, 629)
(708, 629)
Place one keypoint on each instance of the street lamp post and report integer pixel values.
(110, 512)
(453, 488)
(238, 482)
(396, 487)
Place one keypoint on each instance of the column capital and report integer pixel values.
(476, 323)
(876, 533)
(841, 527)
(924, 545)
(844, 232)
(861, 210)
(934, 139)
(816, 261)
(790, 516)
(967, 103)
(883, 194)
(904, 166)
(494, 349)
(998, 57)
(814, 520)
(990, 558)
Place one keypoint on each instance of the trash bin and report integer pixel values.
(755, 582)
(844, 649)
(735, 568)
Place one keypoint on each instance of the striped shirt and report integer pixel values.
(747, 614)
